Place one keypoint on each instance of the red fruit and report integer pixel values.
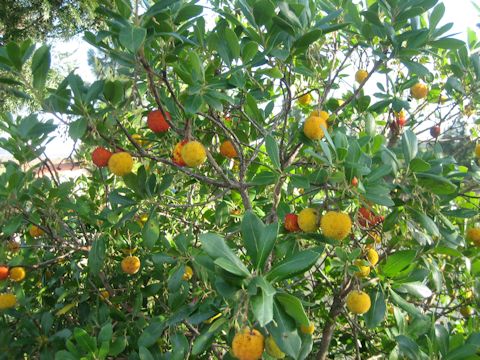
(291, 223)
(3, 272)
(355, 181)
(157, 123)
(366, 218)
(401, 121)
(177, 153)
(100, 156)
(435, 131)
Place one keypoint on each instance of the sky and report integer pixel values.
(460, 12)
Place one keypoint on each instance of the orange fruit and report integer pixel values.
(17, 274)
(248, 345)
(131, 264)
(35, 231)
(291, 223)
(100, 156)
(228, 150)
(156, 122)
(3, 272)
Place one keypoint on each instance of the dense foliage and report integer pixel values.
(246, 161)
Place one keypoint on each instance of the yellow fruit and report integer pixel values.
(469, 110)
(363, 271)
(308, 220)
(305, 99)
(228, 150)
(372, 256)
(17, 273)
(468, 294)
(473, 235)
(358, 302)
(272, 348)
(142, 219)
(312, 128)
(194, 153)
(104, 294)
(120, 163)
(187, 275)
(377, 239)
(7, 301)
(361, 75)
(307, 329)
(419, 91)
(131, 264)
(336, 225)
(35, 231)
(466, 311)
(248, 345)
(320, 113)
(140, 140)
(477, 150)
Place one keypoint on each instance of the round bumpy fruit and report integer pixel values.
(363, 271)
(104, 294)
(320, 113)
(291, 223)
(187, 275)
(307, 329)
(3, 272)
(272, 348)
(157, 123)
(361, 75)
(477, 150)
(17, 273)
(305, 99)
(228, 150)
(120, 163)
(435, 131)
(131, 264)
(100, 156)
(7, 301)
(194, 153)
(308, 220)
(473, 235)
(372, 256)
(336, 225)
(248, 345)
(354, 181)
(35, 231)
(312, 127)
(419, 91)
(177, 153)
(358, 302)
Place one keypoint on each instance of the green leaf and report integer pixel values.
(397, 262)
(284, 332)
(249, 50)
(293, 265)
(262, 302)
(436, 184)
(405, 305)
(419, 165)
(106, 333)
(447, 43)
(145, 354)
(150, 232)
(233, 42)
(408, 347)
(78, 128)
(258, 238)
(293, 307)
(425, 221)
(273, 150)
(151, 333)
(263, 11)
(376, 314)
(196, 66)
(409, 145)
(96, 255)
(265, 178)
(40, 66)
(85, 341)
(414, 288)
(436, 16)
(216, 248)
(132, 37)
(193, 103)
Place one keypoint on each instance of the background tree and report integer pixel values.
(245, 197)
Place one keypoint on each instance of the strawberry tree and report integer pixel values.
(293, 179)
